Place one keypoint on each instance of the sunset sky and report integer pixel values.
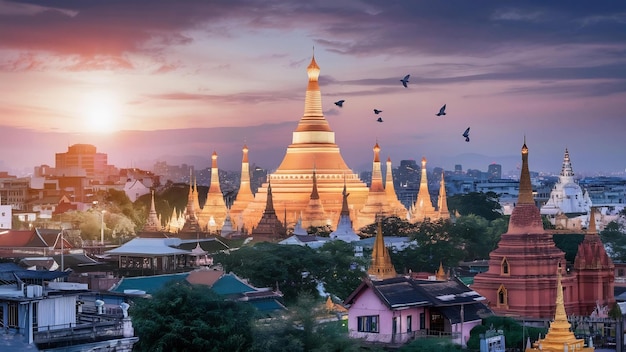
(148, 80)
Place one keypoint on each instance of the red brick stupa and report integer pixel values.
(521, 280)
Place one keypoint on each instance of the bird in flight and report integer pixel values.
(340, 103)
(442, 111)
(405, 80)
(376, 111)
(466, 134)
(380, 119)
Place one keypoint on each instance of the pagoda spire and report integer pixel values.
(269, 205)
(153, 224)
(525, 217)
(441, 273)
(525, 187)
(214, 211)
(377, 176)
(423, 206)
(191, 211)
(314, 193)
(591, 227)
(381, 267)
(196, 198)
(389, 187)
(215, 176)
(442, 202)
(559, 336)
(345, 210)
(244, 194)
(566, 169)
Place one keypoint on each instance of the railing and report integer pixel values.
(74, 332)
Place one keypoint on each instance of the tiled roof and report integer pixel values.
(230, 284)
(149, 246)
(148, 284)
(399, 292)
(21, 239)
(471, 312)
(204, 277)
(8, 271)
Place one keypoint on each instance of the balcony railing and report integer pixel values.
(79, 332)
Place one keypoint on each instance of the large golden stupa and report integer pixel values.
(313, 147)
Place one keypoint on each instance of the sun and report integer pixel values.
(100, 112)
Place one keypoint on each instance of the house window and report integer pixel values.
(505, 267)
(368, 323)
(422, 321)
(13, 315)
(409, 323)
(502, 296)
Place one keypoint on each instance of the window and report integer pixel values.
(367, 323)
(502, 296)
(409, 323)
(505, 267)
(422, 321)
(13, 315)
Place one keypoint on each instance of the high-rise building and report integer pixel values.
(82, 160)
(494, 170)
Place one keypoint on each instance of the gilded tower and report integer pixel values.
(398, 208)
(244, 195)
(423, 206)
(442, 201)
(153, 224)
(214, 211)
(381, 267)
(378, 203)
(313, 143)
(314, 214)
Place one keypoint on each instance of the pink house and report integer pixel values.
(396, 310)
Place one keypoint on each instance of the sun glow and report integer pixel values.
(101, 112)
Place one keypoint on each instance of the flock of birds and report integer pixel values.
(405, 83)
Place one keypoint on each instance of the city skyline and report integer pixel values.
(145, 80)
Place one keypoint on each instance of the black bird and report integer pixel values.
(380, 119)
(340, 103)
(466, 134)
(405, 80)
(376, 111)
(442, 111)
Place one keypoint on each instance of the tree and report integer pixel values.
(184, 317)
(341, 271)
(294, 269)
(391, 226)
(478, 203)
(614, 238)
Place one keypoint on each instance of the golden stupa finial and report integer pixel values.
(441, 274)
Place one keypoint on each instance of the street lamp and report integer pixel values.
(102, 228)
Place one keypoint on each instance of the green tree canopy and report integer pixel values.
(478, 203)
(614, 238)
(184, 317)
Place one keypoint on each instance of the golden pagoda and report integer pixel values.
(313, 143)
(196, 200)
(381, 267)
(214, 211)
(442, 201)
(314, 214)
(269, 228)
(398, 208)
(191, 220)
(559, 336)
(153, 224)
(423, 207)
(244, 195)
(441, 275)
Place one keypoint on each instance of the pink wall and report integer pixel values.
(367, 303)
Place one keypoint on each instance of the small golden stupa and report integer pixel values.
(559, 337)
